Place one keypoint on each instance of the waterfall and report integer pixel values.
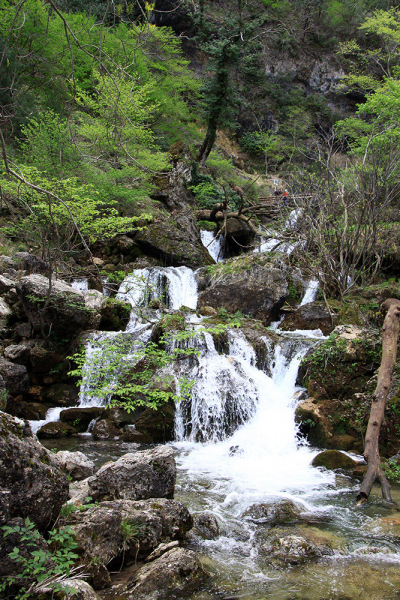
(213, 244)
(261, 455)
(310, 292)
(222, 397)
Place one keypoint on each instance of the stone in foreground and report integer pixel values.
(136, 476)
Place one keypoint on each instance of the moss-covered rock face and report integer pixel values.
(114, 315)
(249, 285)
(340, 376)
(31, 484)
(175, 240)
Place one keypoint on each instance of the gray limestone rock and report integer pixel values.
(136, 476)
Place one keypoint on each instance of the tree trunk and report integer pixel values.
(390, 334)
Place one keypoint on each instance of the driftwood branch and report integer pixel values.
(390, 334)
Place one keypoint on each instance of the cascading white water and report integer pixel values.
(222, 397)
(267, 460)
(213, 244)
(311, 292)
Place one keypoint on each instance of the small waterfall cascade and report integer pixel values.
(213, 244)
(237, 406)
(310, 292)
(223, 397)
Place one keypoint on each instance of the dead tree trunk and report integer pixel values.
(390, 334)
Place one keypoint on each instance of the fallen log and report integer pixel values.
(390, 334)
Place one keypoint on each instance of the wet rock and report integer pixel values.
(205, 525)
(75, 464)
(333, 459)
(31, 263)
(33, 411)
(56, 429)
(65, 313)
(314, 424)
(18, 353)
(176, 241)
(177, 572)
(161, 549)
(313, 315)
(284, 512)
(119, 416)
(15, 377)
(80, 417)
(157, 424)
(295, 546)
(132, 435)
(62, 394)
(114, 315)
(135, 476)
(257, 290)
(105, 430)
(37, 487)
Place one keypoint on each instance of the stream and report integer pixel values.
(237, 445)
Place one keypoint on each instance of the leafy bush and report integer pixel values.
(40, 567)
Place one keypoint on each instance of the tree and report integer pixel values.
(390, 335)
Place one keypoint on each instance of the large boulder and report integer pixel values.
(176, 240)
(75, 464)
(313, 315)
(176, 572)
(15, 377)
(65, 313)
(124, 529)
(31, 483)
(136, 476)
(255, 289)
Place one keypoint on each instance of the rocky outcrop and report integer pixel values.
(15, 377)
(32, 485)
(65, 312)
(254, 289)
(313, 315)
(124, 530)
(175, 240)
(178, 571)
(75, 464)
(136, 476)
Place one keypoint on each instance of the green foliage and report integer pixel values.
(40, 566)
(391, 469)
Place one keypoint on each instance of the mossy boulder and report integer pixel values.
(58, 429)
(175, 240)
(333, 459)
(257, 290)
